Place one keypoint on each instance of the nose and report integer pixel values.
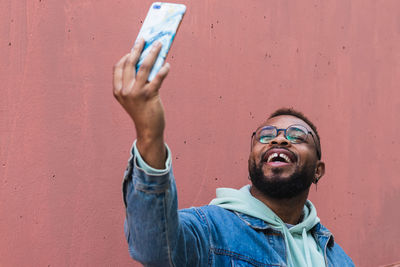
(280, 140)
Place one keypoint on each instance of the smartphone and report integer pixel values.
(161, 24)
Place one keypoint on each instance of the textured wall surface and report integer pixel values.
(65, 140)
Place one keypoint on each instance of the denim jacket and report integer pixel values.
(160, 235)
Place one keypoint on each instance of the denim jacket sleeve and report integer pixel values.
(157, 234)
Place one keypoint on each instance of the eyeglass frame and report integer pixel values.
(284, 134)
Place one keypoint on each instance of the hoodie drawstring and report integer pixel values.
(306, 248)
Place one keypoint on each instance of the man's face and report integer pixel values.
(281, 169)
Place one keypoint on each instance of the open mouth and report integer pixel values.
(279, 157)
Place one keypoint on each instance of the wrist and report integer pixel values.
(150, 135)
(153, 152)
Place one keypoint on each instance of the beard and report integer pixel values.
(278, 188)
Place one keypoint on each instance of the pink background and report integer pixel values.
(65, 141)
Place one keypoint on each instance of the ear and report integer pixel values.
(252, 141)
(319, 171)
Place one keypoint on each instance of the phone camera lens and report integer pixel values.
(157, 6)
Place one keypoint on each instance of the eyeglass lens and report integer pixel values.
(294, 134)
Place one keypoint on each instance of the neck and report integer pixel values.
(290, 210)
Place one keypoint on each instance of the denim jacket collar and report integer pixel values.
(322, 235)
(253, 222)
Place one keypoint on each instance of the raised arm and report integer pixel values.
(156, 234)
(142, 102)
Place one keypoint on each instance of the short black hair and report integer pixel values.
(300, 115)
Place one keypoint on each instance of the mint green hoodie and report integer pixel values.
(301, 246)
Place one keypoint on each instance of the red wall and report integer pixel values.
(65, 140)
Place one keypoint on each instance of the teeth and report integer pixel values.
(286, 158)
(272, 156)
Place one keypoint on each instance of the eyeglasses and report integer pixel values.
(294, 133)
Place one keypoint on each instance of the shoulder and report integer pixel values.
(338, 257)
(335, 252)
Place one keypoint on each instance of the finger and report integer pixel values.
(137, 51)
(117, 74)
(148, 63)
(138, 47)
(128, 74)
(159, 78)
(129, 69)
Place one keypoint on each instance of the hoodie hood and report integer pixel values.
(242, 201)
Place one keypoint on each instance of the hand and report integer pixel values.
(142, 101)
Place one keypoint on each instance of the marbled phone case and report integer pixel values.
(161, 24)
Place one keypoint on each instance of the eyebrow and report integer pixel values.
(304, 125)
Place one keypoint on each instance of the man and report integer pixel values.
(270, 223)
